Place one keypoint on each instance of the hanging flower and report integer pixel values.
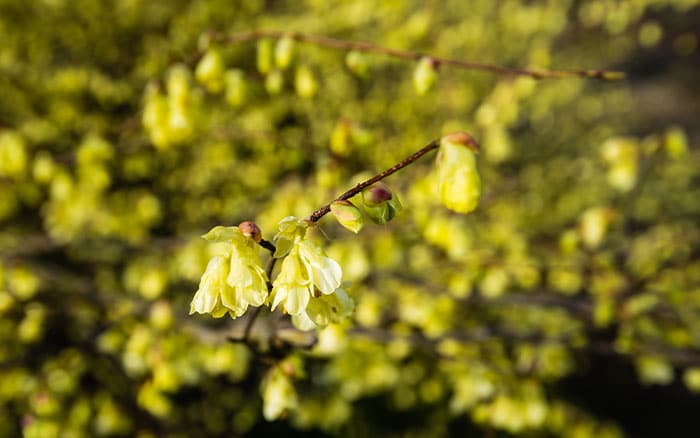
(233, 281)
(207, 299)
(278, 393)
(459, 183)
(304, 270)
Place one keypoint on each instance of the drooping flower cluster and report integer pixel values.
(307, 287)
(232, 281)
(307, 274)
(459, 182)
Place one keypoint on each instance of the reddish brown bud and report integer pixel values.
(250, 229)
(377, 194)
(461, 137)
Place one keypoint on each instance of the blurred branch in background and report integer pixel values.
(436, 61)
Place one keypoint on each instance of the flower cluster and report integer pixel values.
(307, 274)
(232, 281)
(304, 287)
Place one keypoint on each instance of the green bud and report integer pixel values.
(340, 138)
(264, 56)
(425, 75)
(622, 155)
(178, 85)
(361, 137)
(210, 70)
(274, 82)
(459, 182)
(13, 155)
(676, 143)
(357, 63)
(236, 89)
(305, 82)
(44, 167)
(348, 215)
(284, 52)
(161, 315)
(691, 378)
(593, 225)
(380, 203)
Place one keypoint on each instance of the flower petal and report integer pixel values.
(319, 312)
(203, 302)
(297, 300)
(325, 272)
(231, 299)
(303, 322)
(279, 294)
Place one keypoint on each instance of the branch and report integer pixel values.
(362, 46)
(318, 214)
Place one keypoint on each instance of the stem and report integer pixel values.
(318, 214)
(362, 46)
(268, 270)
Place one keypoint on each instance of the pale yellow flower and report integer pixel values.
(459, 182)
(305, 270)
(233, 281)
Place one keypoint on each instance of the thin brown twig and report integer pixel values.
(318, 214)
(362, 46)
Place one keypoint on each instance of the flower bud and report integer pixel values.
(622, 155)
(284, 52)
(44, 167)
(210, 70)
(593, 225)
(305, 82)
(348, 215)
(161, 315)
(236, 88)
(357, 63)
(279, 395)
(13, 155)
(380, 203)
(264, 56)
(425, 75)
(251, 230)
(340, 138)
(676, 143)
(377, 194)
(274, 82)
(459, 183)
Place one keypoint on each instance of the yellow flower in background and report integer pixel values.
(305, 269)
(594, 224)
(231, 282)
(459, 183)
(278, 393)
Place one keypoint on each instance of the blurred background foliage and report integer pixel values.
(568, 304)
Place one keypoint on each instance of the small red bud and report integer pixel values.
(462, 138)
(250, 229)
(377, 194)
